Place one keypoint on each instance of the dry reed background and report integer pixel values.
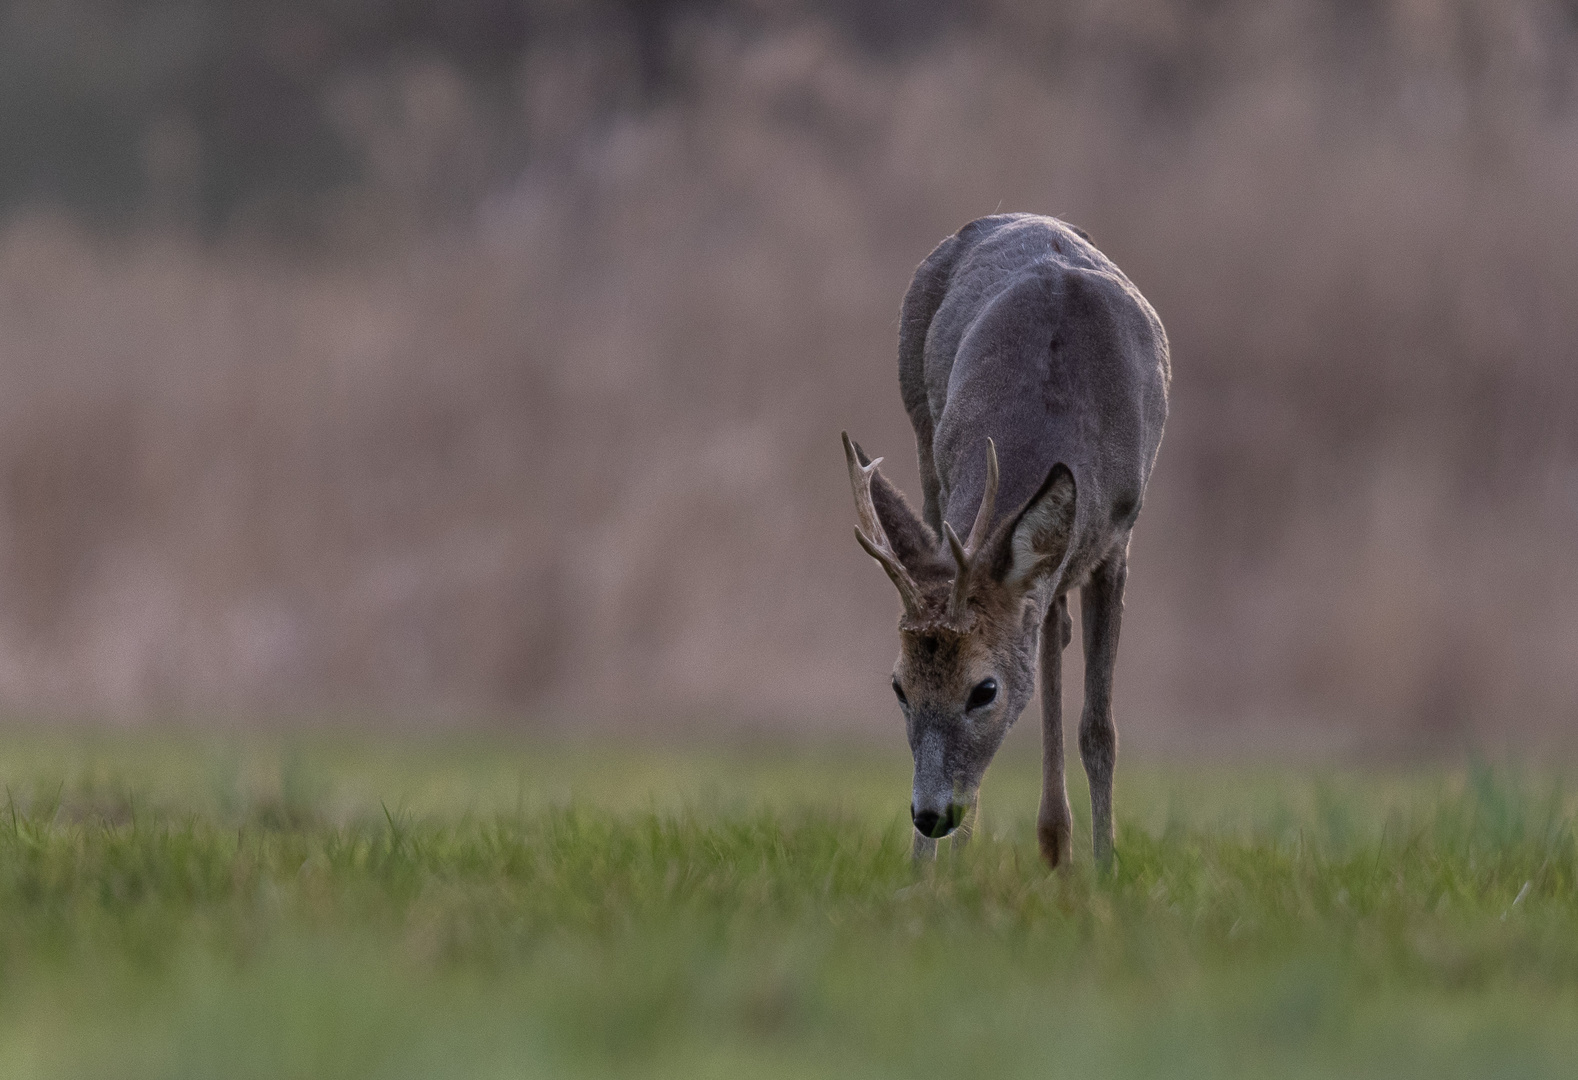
(488, 360)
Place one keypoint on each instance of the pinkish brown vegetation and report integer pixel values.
(559, 429)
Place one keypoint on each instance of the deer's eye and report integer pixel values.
(983, 694)
(898, 692)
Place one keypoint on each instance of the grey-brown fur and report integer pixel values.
(1015, 329)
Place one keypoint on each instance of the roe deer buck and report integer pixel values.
(1019, 337)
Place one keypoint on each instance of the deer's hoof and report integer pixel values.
(1053, 835)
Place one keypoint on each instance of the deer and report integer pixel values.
(1036, 377)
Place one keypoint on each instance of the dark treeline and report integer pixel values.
(114, 110)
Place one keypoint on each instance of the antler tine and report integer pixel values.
(983, 516)
(961, 580)
(908, 592)
(870, 533)
(860, 484)
(964, 554)
(961, 554)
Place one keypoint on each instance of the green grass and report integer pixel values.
(182, 907)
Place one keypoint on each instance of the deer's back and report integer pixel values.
(1017, 328)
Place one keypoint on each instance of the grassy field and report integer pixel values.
(177, 906)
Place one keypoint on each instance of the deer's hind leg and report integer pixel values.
(1054, 823)
(1101, 612)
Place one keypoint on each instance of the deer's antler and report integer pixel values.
(965, 554)
(872, 536)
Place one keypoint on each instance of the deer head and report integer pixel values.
(970, 625)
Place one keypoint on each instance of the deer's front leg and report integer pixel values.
(1101, 611)
(1055, 822)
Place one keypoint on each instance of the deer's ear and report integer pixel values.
(1040, 534)
(912, 539)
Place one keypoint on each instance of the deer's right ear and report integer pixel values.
(911, 538)
(1040, 535)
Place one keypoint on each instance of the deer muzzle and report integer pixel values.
(936, 806)
(938, 824)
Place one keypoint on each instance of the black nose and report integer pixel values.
(935, 825)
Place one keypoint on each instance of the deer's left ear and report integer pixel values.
(1040, 534)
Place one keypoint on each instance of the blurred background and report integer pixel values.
(483, 361)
